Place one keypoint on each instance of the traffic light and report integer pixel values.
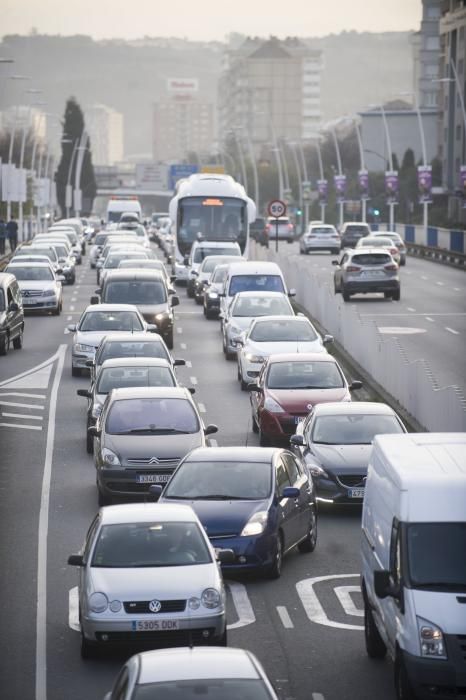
(299, 212)
(376, 212)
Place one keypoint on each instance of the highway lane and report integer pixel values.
(297, 638)
(430, 319)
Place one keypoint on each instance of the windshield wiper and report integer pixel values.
(217, 497)
(152, 431)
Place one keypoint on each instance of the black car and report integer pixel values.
(11, 313)
(352, 231)
(258, 231)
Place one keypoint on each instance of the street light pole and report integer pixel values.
(321, 171)
(425, 205)
(391, 205)
(12, 139)
(69, 190)
(306, 183)
(363, 168)
(292, 147)
(340, 172)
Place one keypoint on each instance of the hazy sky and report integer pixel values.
(206, 19)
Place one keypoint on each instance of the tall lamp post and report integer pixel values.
(242, 162)
(292, 147)
(340, 174)
(425, 203)
(391, 203)
(323, 204)
(10, 150)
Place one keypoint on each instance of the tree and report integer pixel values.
(73, 128)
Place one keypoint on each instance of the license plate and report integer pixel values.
(155, 625)
(30, 301)
(152, 478)
(356, 493)
(372, 274)
(298, 419)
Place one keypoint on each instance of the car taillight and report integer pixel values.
(290, 227)
(391, 266)
(268, 227)
(353, 268)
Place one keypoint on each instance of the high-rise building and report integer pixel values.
(452, 127)
(426, 54)
(271, 88)
(105, 128)
(183, 122)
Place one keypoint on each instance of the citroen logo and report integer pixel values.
(154, 460)
(155, 606)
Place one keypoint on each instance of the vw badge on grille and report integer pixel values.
(155, 606)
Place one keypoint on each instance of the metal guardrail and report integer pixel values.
(440, 255)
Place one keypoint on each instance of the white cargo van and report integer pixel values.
(116, 207)
(414, 561)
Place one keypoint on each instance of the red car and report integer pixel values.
(288, 386)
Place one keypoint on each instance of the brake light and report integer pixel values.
(290, 227)
(391, 266)
(268, 227)
(353, 268)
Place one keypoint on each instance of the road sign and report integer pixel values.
(151, 176)
(180, 170)
(276, 208)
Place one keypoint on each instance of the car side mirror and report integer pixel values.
(356, 384)
(292, 293)
(75, 560)
(290, 492)
(191, 390)
(155, 490)
(59, 271)
(13, 308)
(172, 277)
(211, 429)
(335, 262)
(194, 273)
(225, 556)
(238, 342)
(84, 392)
(72, 327)
(297, 440)
(383, 586)
(93, 430)
(94, 299)
(179, 363)
(328, 339)
(253, 386)
(151, 328)
(174, 301)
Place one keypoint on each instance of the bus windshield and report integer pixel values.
(214, 218)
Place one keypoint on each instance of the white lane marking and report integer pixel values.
(317, 696)
(23, 395)
(312, 605)
(183, 346)
(41, 620)
(22, 405)
(193, 380)
(400, 330)
(440, 284)
(21, 415)
(428, 318)
(410, 309)
(179, 330)
(343, 593)
(451, 330)
(71, 308)
(242, 604)
(284, 617)
(201, 407)
(213, 442)
(189, 364)
(66, 331)
(37, 377)
(456, 289)
(423, 277)
(18, 425)
(69, 318)
(422, 313)
(73, 609)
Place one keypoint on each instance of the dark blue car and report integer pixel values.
(256, 501)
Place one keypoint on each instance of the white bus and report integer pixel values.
(208, 207)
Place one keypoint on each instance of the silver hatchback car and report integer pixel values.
(366, 271)
(149, 575)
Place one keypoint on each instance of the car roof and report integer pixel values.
(111, 307)
(14, 263)
(363, 241)
(216, 244)
(252, 293)
(134, 274)
(233, 454)
(150, 392)
(259, 267)
(135, 362)
(302, 357)
(335, 408)
(364, 250)
(284, 317)
(196, 663)
(142, 512)
(127, 336)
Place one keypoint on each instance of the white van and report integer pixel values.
(252, 276)
(116, 207)
(199, 251)
(414, 561)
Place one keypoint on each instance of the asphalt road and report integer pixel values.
(430, 319)
(305, 628)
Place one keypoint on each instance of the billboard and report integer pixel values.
(339, 182)
(391, 186)
(463, 184)
(363, 182)
(424, 183)
(179, 171)
(151, 176)
(322, 190)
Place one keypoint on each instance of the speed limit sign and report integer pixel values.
(277, 208)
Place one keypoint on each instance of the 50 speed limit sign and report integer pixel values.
(277, 208)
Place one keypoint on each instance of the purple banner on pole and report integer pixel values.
(391, 186)
(463, 183)
(322, 189)
(339, 182)
(424, 183)
(363, 180)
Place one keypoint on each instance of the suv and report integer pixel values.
(200, 250)
(280, 229)
(11, 313)
(352, 231)
(368, 270)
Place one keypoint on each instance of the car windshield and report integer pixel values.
(357, 229)
(129, 545)
(113, 261)
(37, 274)
(377, 242)
(220, 274)
(258, 283)
(321, 230)
(209, 264)
(157, 416)
(111, 321)
(124, 377)
(436, 555)
(49, 252)
(261, 306)
(152, 347)
(135, 292)
(137, 263)
(201, 253)
(371, 259)
(282, 331)
(215, 218)
(207, 689)
(61, 251)
(353, 428)
(304, 375)
(221, 481)
(100, 239)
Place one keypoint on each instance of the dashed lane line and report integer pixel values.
(189, 364)
(193, 380)
(183, 346)
(428, 318)
(440, 284)
(179, 330)
(411, 309)
(284, 617)
(451, 330)
(21, 426)
(202, 408)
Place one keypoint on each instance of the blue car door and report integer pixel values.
(288, 508)
(300, 481)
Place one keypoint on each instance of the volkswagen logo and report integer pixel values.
(155, 606)
(153, 460)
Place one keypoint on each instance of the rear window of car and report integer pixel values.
(251, 283)
(371, 259)
(135, 292)
(320, 230)
(149, 348)
(100, 239)
(282, 331)
(126, 377)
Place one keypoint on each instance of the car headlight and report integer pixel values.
(235, 329)
(194, 603)
(211, 598)
(272, 405)
(115, 606)
(80, 347)
(109, 458)
(161, 317)
(96, 410)
(318, 471)
(48, 293)
(255, 525)
(257, 359)
(98, 602)
(431, 639)
(213, 295)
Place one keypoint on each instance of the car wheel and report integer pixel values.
(264, 441)
(396, 296)
(89, 443)
(189, 291)
(255, 427)
(209, 314)
(198, 300)
(205, 311)
(275, 569)
(57, 311)
(75, 372)
(375, 645)
(403, 262)
(310, 541)
(403, 687)
(18, 341)
(346, 295)
(169, 340)
(4, 345)
(244, 385)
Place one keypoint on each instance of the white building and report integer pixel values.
(22, 116)
(105, 128)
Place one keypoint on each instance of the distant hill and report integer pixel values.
(359, 69)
